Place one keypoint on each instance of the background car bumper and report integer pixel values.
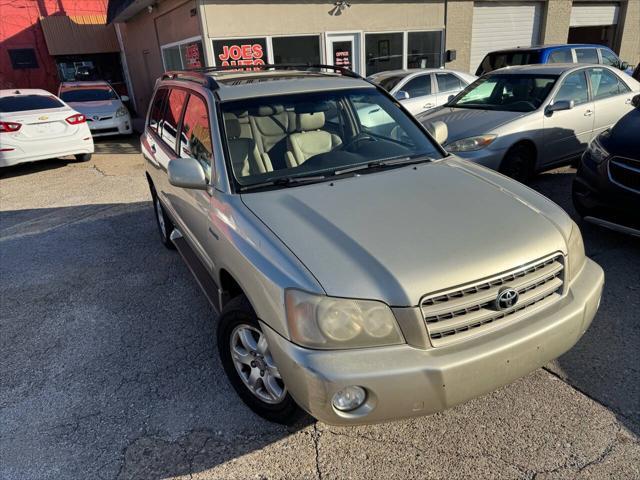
(35, 152)
(113, 126)
(402, 381)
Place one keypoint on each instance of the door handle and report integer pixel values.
(429, 105)
(153, 148)
(588, 113)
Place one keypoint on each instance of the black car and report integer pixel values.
(606, 190)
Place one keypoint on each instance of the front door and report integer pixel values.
(343, 50)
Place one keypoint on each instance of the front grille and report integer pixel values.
(465, 311)
(625, 172)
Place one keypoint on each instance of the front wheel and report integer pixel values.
(519, 163)
(83, 157)
(249, 365)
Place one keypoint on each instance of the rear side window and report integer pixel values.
(448, 82)
(609, 58)
(171, 118)
(418, 86)
(587, 55)
(157, 110)
(23, 103)
(605, 84)
(195, 138)
(496, 60)
(560, 56)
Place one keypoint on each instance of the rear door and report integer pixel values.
(568, 132)
(421, 94)
(447, 84)
(612, 98)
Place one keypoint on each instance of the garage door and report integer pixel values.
(499, 25)
(594, 15)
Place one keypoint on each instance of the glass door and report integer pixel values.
(343, 50)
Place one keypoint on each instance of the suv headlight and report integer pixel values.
(596, 151)
(319, 321)
(575, 251)
(471, 144)
(121, 112)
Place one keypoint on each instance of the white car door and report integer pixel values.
(447, 85)
(611, 96)
(420, 91)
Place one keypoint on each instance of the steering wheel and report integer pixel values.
(360, 137)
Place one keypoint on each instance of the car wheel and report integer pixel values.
(83, 157)
(165, 227)
(519, 163)
(249, 365)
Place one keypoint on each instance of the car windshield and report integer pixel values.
(506, 92)
(388, 81)
(23, 103)
(496, 60)
(319, 135)
(85, 94)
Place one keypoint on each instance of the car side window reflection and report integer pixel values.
(195, 137)
(418, 86)
(172, 117)
(574, 87)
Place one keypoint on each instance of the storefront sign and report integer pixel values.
(240, 52)
(342, 54)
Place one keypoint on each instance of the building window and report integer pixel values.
(302, 49)
(383, 51)
(240, 51)
(424, 49)
(23, 58)
(185, 55)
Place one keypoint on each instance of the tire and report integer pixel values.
(519, 163)
(165, 227)
(238, 329)
(83, 157)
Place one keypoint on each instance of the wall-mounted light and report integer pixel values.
(338, 7)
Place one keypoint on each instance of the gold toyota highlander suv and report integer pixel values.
(361, 273)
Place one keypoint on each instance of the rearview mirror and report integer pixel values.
(635, 101)
(438, 131)
(401, 95)
(124, 98)
(186, 173)
(560, 105)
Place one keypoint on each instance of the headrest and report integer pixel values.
(310, 121)
(233, 127)
(268, 110)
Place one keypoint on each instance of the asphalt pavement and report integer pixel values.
(109, 368)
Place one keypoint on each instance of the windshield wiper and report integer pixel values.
(385, 162)
(284, 182)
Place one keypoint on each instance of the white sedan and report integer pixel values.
(101, 104)
(421, 89)
(37, 125)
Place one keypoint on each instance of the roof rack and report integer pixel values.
(198, 75)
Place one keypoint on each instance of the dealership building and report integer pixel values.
(367, 36)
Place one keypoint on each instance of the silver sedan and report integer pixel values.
(520, 120)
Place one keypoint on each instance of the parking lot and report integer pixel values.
(110, 368)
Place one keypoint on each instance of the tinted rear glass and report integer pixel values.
(388, 82)
(496, 60)
(22, 103)
(88, 94)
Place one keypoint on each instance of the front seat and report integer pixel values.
(244, 153)
(310, 139)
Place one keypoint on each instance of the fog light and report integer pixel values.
(349, 398)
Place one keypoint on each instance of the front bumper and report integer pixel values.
(112, 126)
(486, 157)
(403, 381)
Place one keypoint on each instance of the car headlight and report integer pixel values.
(575, 252)
(121, 112)
(596, 151)
(470, 144)
(319, 321)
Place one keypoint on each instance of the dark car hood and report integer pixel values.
(624, 140)
(467, 122)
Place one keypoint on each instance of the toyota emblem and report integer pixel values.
(507, 298)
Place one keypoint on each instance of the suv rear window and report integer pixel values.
(23, 103)
(496, 60)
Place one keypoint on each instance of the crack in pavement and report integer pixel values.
(315, 436)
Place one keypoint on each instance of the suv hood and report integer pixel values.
(468, 122)
(400, 234)
(99, 107)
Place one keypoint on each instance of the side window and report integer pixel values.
(448, 82)
(587, 55)
(157, 110)
(560, 56)
(605, 84)
(418, 86)
(171, 118)
(574, 87)
(609, 58)
(195, 137)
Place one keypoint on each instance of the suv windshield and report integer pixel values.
(507, 92)
(496, 60)
(318, 135)
(84, 94)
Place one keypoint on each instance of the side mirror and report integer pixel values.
(401, 95)
(124, 98)
(561, 105)
(438, 130)
(186, 173)
(635, 101)
(451, 97)
(624, 65)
